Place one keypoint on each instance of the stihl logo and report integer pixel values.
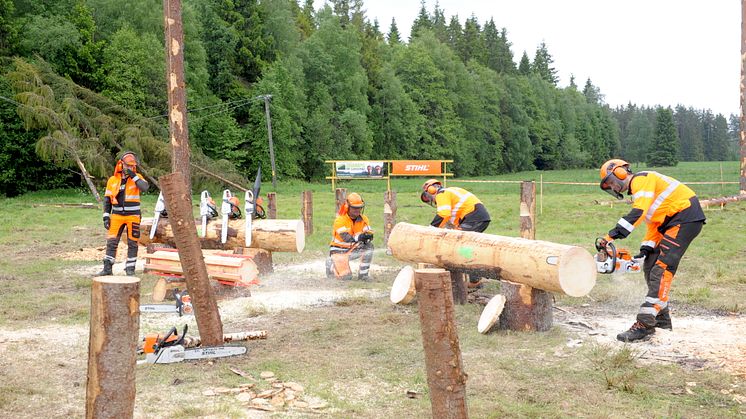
(417, 168)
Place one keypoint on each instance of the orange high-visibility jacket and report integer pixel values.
(454, 203)
(346, 230)
(661, 202)
(131, 203)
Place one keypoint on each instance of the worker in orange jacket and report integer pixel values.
(674, 218)
(456, 208)
(352, 238)
(122, 211)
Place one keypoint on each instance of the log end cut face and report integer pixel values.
(577, 272)
(491, 314)
(403, 290)
(300, 237)
(116, 279)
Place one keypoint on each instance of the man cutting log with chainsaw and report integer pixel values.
(674, 218)
(352, 238)
(122, 211)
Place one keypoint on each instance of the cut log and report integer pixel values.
(445, 370)
(272, 235)
(544, 265)
(403, 290)
(262, 258)
(491, 314)
(220, 267)
(112, 346)
(526, 308)
(721, 201)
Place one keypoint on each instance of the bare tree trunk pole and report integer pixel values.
(177, 104)
(389, 214)
(341, 196)
(445, 371)
(742, 141)
(272, 205)
(88, 180)
(526, 308)
(306, 211)
(112, 347)
(179, 204)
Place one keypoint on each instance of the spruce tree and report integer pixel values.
(665, 149)
(394, 38)
(524, 67)
(423, 22)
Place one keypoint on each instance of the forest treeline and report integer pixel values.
(84, 79)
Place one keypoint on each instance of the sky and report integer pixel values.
(647, 52)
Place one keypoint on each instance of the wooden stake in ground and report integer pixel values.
(272, 205)
(458, 286)
(526, 308)
(544, 265)
(176, 92)
(179, 204)
(389, 214)
(341, 196)
(306, 211)
(445, 371)
(112, 347)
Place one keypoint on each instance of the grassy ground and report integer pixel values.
(361, 355)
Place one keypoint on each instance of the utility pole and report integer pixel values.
(177, 107)
(743, 98)
(267, 99)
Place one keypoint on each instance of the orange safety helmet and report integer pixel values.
(354, 200)
(613, 173)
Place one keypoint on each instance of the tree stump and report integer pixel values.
(445, 371)
(458, 286)
(112, 347)
(272, 205)
(340, 196)
(389, 215)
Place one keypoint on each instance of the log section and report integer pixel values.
(112, 347)
(272, 235)
(539, 264)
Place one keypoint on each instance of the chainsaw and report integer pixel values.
(183, 305)
(160, 210)
(225, 210)
(610, 259)
(207, 210)
(170, 348)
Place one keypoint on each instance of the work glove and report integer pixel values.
(644, 252)
(130, 174)
(107, 222)
(449, 225)
(602, 242)
(365, 237)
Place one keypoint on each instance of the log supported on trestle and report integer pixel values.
(272, 235)
(544, 265)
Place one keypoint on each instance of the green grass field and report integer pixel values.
(362, 355)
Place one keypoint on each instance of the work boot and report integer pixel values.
(638, 331)
(363, 277)
(663, 320)
(107, 269)
(129, 271)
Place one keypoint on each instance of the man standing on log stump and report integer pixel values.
(456, 208)
(122, 210)
(352, 238)
(674, 218)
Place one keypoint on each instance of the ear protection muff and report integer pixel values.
(432, 189)
(621, 172)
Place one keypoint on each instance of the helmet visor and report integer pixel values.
(607, 184)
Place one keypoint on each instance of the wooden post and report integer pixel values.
(341, 195)
(389, 214)
(742, 131)
(176, 91)
(179, 204)
(112, 347)
(526, 308)
(272, 205)
(306, 211)
(445, 371)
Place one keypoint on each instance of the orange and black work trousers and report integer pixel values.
(660, 266)
(364, 252)
(118, 224)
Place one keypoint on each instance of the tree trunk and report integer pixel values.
(389, 214)
(179, 203)
(112, 347)
(307, 211)
(549, 266)
(272, 205)
(272, 235)
(88, 180)
(445, 371)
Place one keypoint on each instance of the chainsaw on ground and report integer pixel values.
(160, 210)
(610, 259)
(183, 305)
(170, 348)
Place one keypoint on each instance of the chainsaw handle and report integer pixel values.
(611, 248)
